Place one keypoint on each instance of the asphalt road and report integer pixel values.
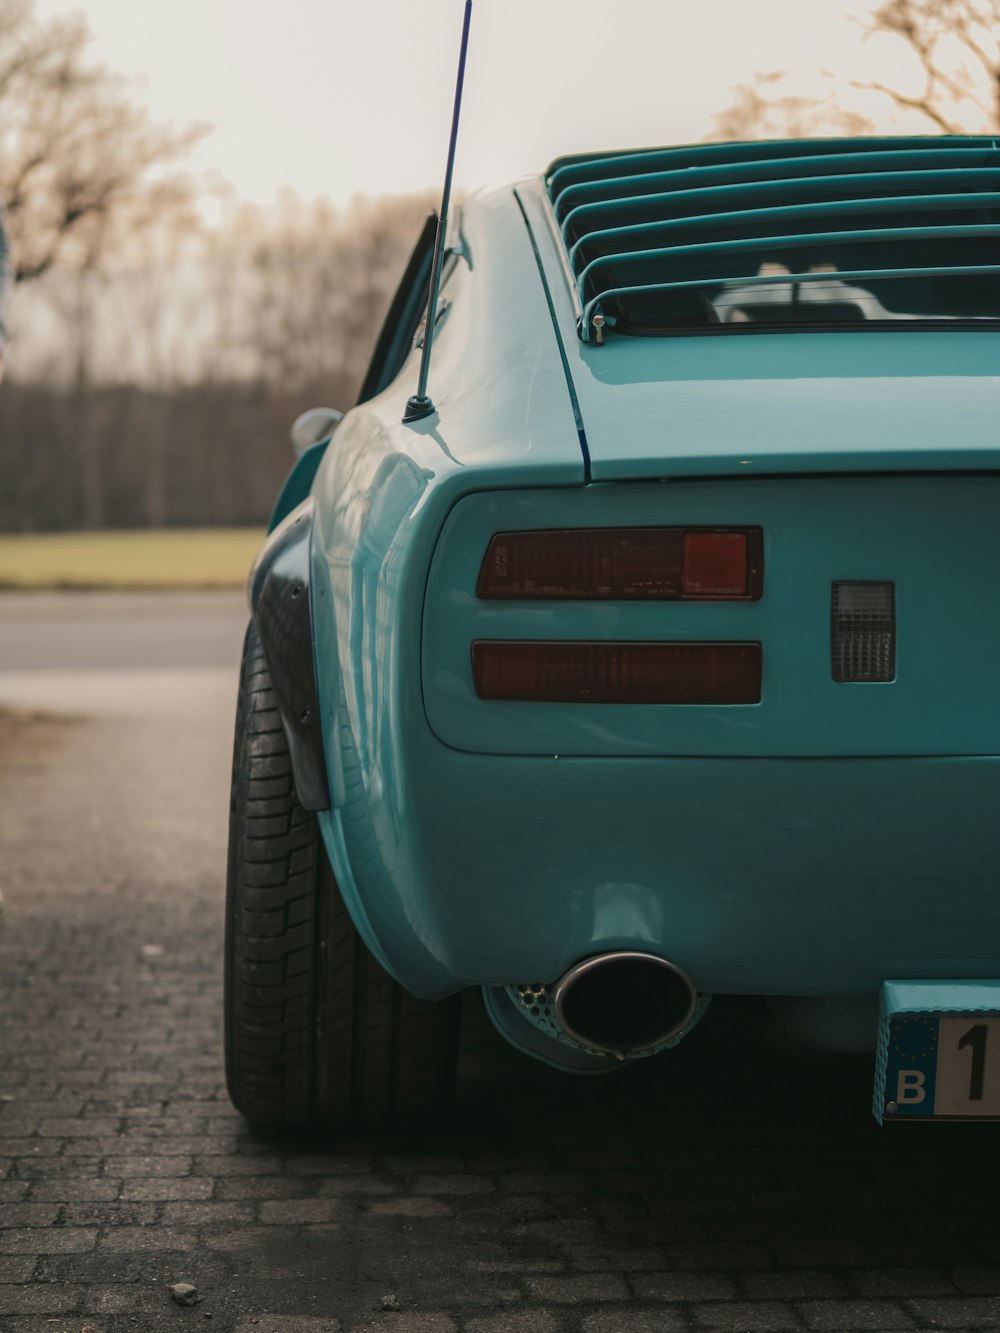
(733, 1184)
(120, 631)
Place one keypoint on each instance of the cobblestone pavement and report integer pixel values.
(733, 1185)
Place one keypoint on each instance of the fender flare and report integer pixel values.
(281, 605)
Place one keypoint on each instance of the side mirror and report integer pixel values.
(311, 427)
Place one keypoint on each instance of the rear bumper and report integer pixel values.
(775, 877)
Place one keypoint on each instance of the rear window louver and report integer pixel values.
(820, 232)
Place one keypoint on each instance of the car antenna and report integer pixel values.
(419, 405)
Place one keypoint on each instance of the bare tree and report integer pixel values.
(317, 284)
(761, 110)
(955, 45)
(76, 153)
(953, 48)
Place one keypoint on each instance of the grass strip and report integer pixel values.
(167, 558)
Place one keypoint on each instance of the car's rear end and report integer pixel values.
(731, 704)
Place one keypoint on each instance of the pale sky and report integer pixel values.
(336, 97)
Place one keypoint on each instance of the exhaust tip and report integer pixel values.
(623, 1003)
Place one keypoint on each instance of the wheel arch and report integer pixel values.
(281, 604)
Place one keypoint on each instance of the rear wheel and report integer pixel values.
(317, 1032)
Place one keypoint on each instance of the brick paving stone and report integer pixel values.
(899, 1282)
(146, 1167)
(684, 1287)
(77, 1128)
(29, 1214)
(453, 1184)
(289, 1324)
(221, 1167)
(575, 1290)
(403, 1322)
(326, 1164)
(17, 1268)
(634, 1321)
(47, 1240)
(606, 1258)
(94, 1266)
(521, 1207)
(89, 1189)
(515, 1321)
(132, 1239)
(166, 1188)
(793, 1284)
(345, 1186)
(113, 1214)
(253, 1187)
(410, 1207)
(132, 1299)
(41, 1323)
(544, 1182)
(258, 1238)
(24, 1146)
(416, 1163)
(746, 1315)
(513, 1266)
(959, 1312)
(853, 1314)
(290, 1212)
(512, 1160)
(40, 1298)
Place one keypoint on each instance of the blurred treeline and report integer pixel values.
(159, 388)
(163, 335)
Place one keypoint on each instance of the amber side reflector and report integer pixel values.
(632, 564)
(617, 673)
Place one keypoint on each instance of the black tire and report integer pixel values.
(317, 1033)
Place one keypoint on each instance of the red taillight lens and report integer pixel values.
(715, 564)
(636, 673)
(654, 564)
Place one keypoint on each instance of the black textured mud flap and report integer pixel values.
(282, 609)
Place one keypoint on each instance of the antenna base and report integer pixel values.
(417, 408)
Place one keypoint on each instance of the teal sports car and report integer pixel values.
(660, 660)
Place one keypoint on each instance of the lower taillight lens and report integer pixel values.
(600, 672)
(629, 564)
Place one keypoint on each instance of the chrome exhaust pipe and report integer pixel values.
(624, 1003)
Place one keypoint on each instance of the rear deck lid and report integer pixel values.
(790, 403)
